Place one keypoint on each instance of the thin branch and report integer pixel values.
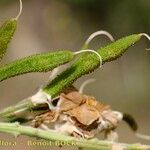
(95, 144)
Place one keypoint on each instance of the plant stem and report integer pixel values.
(16, 129)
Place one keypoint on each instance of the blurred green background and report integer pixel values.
(47, 25)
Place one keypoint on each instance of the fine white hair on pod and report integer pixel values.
(101, 32)
(92, 51)
(20, 10)
(147, 36)
(84, 84)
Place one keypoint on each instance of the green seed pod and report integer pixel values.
(88, 62)
(38, 63)
(7, 31)
(35, 63)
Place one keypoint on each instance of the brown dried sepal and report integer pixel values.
(79, 115)
(88, 112)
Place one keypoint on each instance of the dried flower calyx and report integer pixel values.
(79, 115)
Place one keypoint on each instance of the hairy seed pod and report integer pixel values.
(35, 63)
(88, 62)
(39, 63)
(7, 31)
